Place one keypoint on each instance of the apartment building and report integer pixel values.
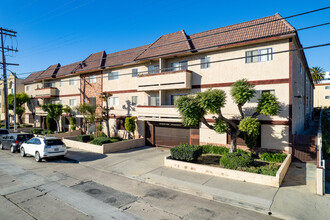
(145, 81)
(11, 90)
(322, 92)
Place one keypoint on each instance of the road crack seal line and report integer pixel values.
(18, 206)
(271, 204)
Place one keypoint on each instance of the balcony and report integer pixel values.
(163, 111)
(40, 112)
(45, 93)
(165, 81)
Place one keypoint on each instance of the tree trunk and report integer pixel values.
(57, 124)
(233, 144)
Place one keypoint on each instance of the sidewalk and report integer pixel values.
(296, 199)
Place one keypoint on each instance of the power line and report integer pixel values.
(225, 31)
(300, 29)
(197, 64)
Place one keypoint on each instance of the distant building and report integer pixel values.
(322, 92)
(11, 90)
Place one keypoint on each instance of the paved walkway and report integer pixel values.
(295, 199)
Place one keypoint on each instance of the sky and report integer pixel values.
(67, 31)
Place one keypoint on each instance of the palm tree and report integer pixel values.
(317, 74)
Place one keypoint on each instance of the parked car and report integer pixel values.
(14, 141)
(2, 133)
(43, 147)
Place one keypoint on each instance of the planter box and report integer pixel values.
(274, 181)
(66, 134)
(105, 148)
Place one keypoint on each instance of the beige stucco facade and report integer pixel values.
(322, 95)
(11, 90)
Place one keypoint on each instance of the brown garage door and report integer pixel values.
(170, 134)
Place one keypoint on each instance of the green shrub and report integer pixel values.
(36, 130)
(114, 140)
(51, 124)
(73, 121)
(236, 160)
(73, 127)
(101, 140)
(273, 157)
(44, 132)
(211, 149)
(117, 138)
(270, 169)
(130, 124)
(26, 126)
(186, 152)
(84, 138)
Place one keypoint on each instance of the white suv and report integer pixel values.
(43, 147)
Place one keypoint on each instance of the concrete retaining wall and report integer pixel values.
(123, 145)
(105, 148)
(274, 181)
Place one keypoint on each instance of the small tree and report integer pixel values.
(89, 113)
(21, 99)
(193, 110)
(54, 111)
(130, 124)
(317, 74)
(73, 122)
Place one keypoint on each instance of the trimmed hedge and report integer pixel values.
(186, 152)
(36, 130)
(273, 157)
(84, 138)
(101, 140)
(236, 160)
(44, 132)
(211, 149)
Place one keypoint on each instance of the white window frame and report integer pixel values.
(327, 97)
(327, 87)
(182, 65)
(27, 88)
(260, 55)
(72, 102)
(60, 83)
(72, 82)
(205, 62)
(135, 102)
(92, 79)
(113, 75)
(153, 96)
(52, 84)
(135, 72)
(114, 101)
(152, 69)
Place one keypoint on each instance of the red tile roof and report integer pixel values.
(67, 69)
(164, 45)
(93, 61)
(235, 33)
(124, 56)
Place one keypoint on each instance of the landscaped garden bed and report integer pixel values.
(267, 168)
(102, 144)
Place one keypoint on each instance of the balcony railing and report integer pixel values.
(180, 79)
(163, 111)
(48, 92)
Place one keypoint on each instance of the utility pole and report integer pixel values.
(6, 32)
(15, 125)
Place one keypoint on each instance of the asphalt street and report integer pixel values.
(66, 189)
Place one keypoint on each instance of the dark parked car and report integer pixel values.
(3, 132)
(14, 141)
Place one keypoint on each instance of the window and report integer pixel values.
(327, 87)
(72, 102)
(60, 102)
(327, 97)
(114, 101)
(52, 102)
(153, 100)
(52, 84)
(182, 65)
(60, 83)
(27, 88)
(92, 101)
(134, 100)
(92, 79)
(38, 86)
(153, 69)
(72, 82)
(271, 91)
(260, 55)
(205, 62)
(301, 68)
(134, 72)
(12, 91)
(120, 123)
(174, 98)
(113, 75)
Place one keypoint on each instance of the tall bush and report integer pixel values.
(130, 124)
